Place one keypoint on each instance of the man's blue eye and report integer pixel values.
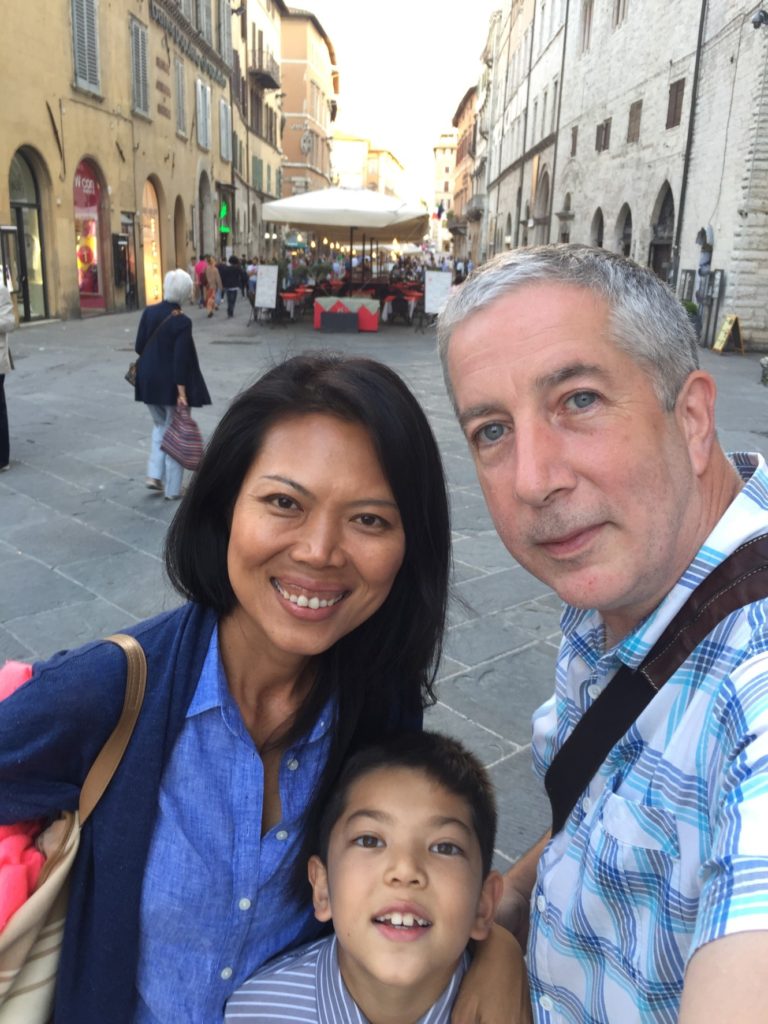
(491, 432)
(583, 399)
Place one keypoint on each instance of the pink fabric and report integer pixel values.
(20, 860)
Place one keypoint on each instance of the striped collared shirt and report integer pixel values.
(306, 987)
(668, 848)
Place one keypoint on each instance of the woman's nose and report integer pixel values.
(320, 542)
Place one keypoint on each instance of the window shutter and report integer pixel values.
(181, 99)
(200, 112)
(208, 131)
(225, 31)
(225, 130)
(85, 41)
(186, 9)
(206, 26)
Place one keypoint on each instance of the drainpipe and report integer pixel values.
(688, 147)
(557, 119)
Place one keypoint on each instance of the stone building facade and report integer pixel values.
(464, 122)
(311, 87)
(600, 135)
(116, 153)
(444, 152)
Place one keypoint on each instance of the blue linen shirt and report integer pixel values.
(306, 987)
(214, 904)
(668, 847)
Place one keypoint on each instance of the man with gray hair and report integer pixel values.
(575, 377)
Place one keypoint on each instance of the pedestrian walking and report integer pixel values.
(7, 324)
(168, 375)
(231, 279)
(212, 286)
(199, 280)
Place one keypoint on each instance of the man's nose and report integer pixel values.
(542, 463)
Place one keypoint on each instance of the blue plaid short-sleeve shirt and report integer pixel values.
(668, 848)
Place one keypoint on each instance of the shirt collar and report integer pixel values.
(742, 520)
(336, 1005)
(213, 692)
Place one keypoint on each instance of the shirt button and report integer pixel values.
(293, 764)
(594, 690)
(245, 903)
(586, 804)
(546, 1004)
(541, 904)
(226, 974)
(281, 835)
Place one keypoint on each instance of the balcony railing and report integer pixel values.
(264, 68)
(474, 208)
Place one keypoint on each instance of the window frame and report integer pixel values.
(675, 103)
(85, 45)
(139, 68)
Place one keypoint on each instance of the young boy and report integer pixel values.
(403, 870)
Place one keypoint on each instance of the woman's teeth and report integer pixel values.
(302, 601)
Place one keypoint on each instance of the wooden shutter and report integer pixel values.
(181, 99)
(85, 41)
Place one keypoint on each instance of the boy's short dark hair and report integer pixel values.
(442, 759)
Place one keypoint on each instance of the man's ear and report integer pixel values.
(321, 897)
(490, 897)
(695, 410)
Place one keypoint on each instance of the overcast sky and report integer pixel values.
(404, 66)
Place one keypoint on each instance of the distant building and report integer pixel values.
(358, 164)
(444, 152)
(464, 123)
(115, 151)
(311, 87)
(598, 135)
(257, 102)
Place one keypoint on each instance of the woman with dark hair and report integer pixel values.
(313, 549)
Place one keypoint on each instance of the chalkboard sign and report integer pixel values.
(730, 332)
(266, 287)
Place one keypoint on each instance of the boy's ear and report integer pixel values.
(318, 879)
(490, 897)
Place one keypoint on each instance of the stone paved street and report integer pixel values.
(81, 537)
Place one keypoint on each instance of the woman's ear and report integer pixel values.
(490, 897)
(318, 879)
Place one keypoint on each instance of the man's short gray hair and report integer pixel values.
(177, 287)
(647, 321)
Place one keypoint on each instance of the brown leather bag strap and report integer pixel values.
(739, 580)
(110, 755)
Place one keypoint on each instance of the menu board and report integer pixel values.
(266, 286)
(729, 332)
(437, 288)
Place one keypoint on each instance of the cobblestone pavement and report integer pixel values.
(81, 537)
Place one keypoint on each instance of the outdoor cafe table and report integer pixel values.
(367, 310)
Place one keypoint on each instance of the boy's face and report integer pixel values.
(403, 885)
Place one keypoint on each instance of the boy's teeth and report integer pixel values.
(403, 920)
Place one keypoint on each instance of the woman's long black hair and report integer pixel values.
(382, 673)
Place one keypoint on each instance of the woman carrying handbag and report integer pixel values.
(168, 375)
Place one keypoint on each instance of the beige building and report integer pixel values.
(357, 164)
(444, 169)
(385, 172)
(464, 123)
(311, 86)
(257, 102)
(116, 149)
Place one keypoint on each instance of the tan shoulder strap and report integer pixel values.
(110, 755)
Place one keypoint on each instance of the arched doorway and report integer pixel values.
(541, 210)
(26, 215)
(624, 231)
(180, 234)
(596, 231)
(205, 206)
(150, 231)
(663, 228)
(89, 251)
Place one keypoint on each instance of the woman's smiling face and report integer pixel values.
(316, 538)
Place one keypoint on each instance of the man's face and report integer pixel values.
(589, 481)
(404, 886)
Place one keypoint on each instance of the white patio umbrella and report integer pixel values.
(337, 211)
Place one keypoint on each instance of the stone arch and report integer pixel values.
(93, 250)
(152, 207)
(623, 232)
(541, 208)
(180, 233)
(597, 229)
(662, 233)
(32, 216)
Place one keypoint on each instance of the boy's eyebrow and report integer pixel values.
(437, 821)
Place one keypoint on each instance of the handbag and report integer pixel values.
(182, 439)
(30, 944)
(133, 368)
(738, 581)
